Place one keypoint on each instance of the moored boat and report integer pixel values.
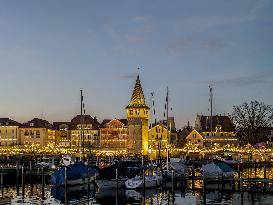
(77, 174)
(149, 182)
(217, 170)
(114, 176)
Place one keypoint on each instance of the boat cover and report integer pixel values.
(211, 169)
(125, 169)
(224, 167)
(75, 171)
(178, 167)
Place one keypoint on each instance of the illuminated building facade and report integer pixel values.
(158, 140)
(39, 132)
(64, 132)
(9, 132)
(222, 132)
(172, 138)
(195, 139)
(114, 133)
(89, 127)
(137, 116)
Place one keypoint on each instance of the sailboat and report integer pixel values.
(74, 174)
(116, 175)
(71, 173)
(138, 182)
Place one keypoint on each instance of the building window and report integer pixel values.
(31, 124)
(130, 112)
(31, 133)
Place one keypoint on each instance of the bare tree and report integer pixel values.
(252, 121)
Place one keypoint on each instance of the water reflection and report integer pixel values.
(152, 196)
(73, 193)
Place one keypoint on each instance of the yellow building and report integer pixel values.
(114, 134)
(221, 131)
(39, 132)
(195, 139)
(158, 141)
(88, 128)
(9, 132)
(219, 137)
(64, 132)
(137, 116)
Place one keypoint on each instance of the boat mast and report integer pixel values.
(210, 99)
(168, 134)
(81, 139)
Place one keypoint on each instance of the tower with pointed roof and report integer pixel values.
(138, 117)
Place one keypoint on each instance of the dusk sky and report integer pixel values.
(49, 50)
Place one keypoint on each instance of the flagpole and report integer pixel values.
(81, 138)
(167, 112)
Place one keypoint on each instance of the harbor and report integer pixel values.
(31, 184)
(136, 102)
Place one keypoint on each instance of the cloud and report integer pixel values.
(139, 18)
(185, 44)
(240, 14)
(129, 76)
(246, 80)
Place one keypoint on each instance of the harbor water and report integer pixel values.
(88, 195)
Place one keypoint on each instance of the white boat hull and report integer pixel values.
(137, 182)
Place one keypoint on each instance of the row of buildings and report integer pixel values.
(133, 133)
(111, 133)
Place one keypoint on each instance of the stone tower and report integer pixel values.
(138, 116)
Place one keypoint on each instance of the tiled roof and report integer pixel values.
(184, 132)
(160, 123)
(224, 121)
(57, 124)
(8, 122)
(137, 99)
(105, 121)
(37, 123)
(87, 119)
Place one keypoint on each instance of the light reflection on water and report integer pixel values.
(152, 196)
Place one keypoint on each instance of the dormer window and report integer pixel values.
(218, 128)
(31, 124)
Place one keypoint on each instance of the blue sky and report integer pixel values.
(49, 50)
